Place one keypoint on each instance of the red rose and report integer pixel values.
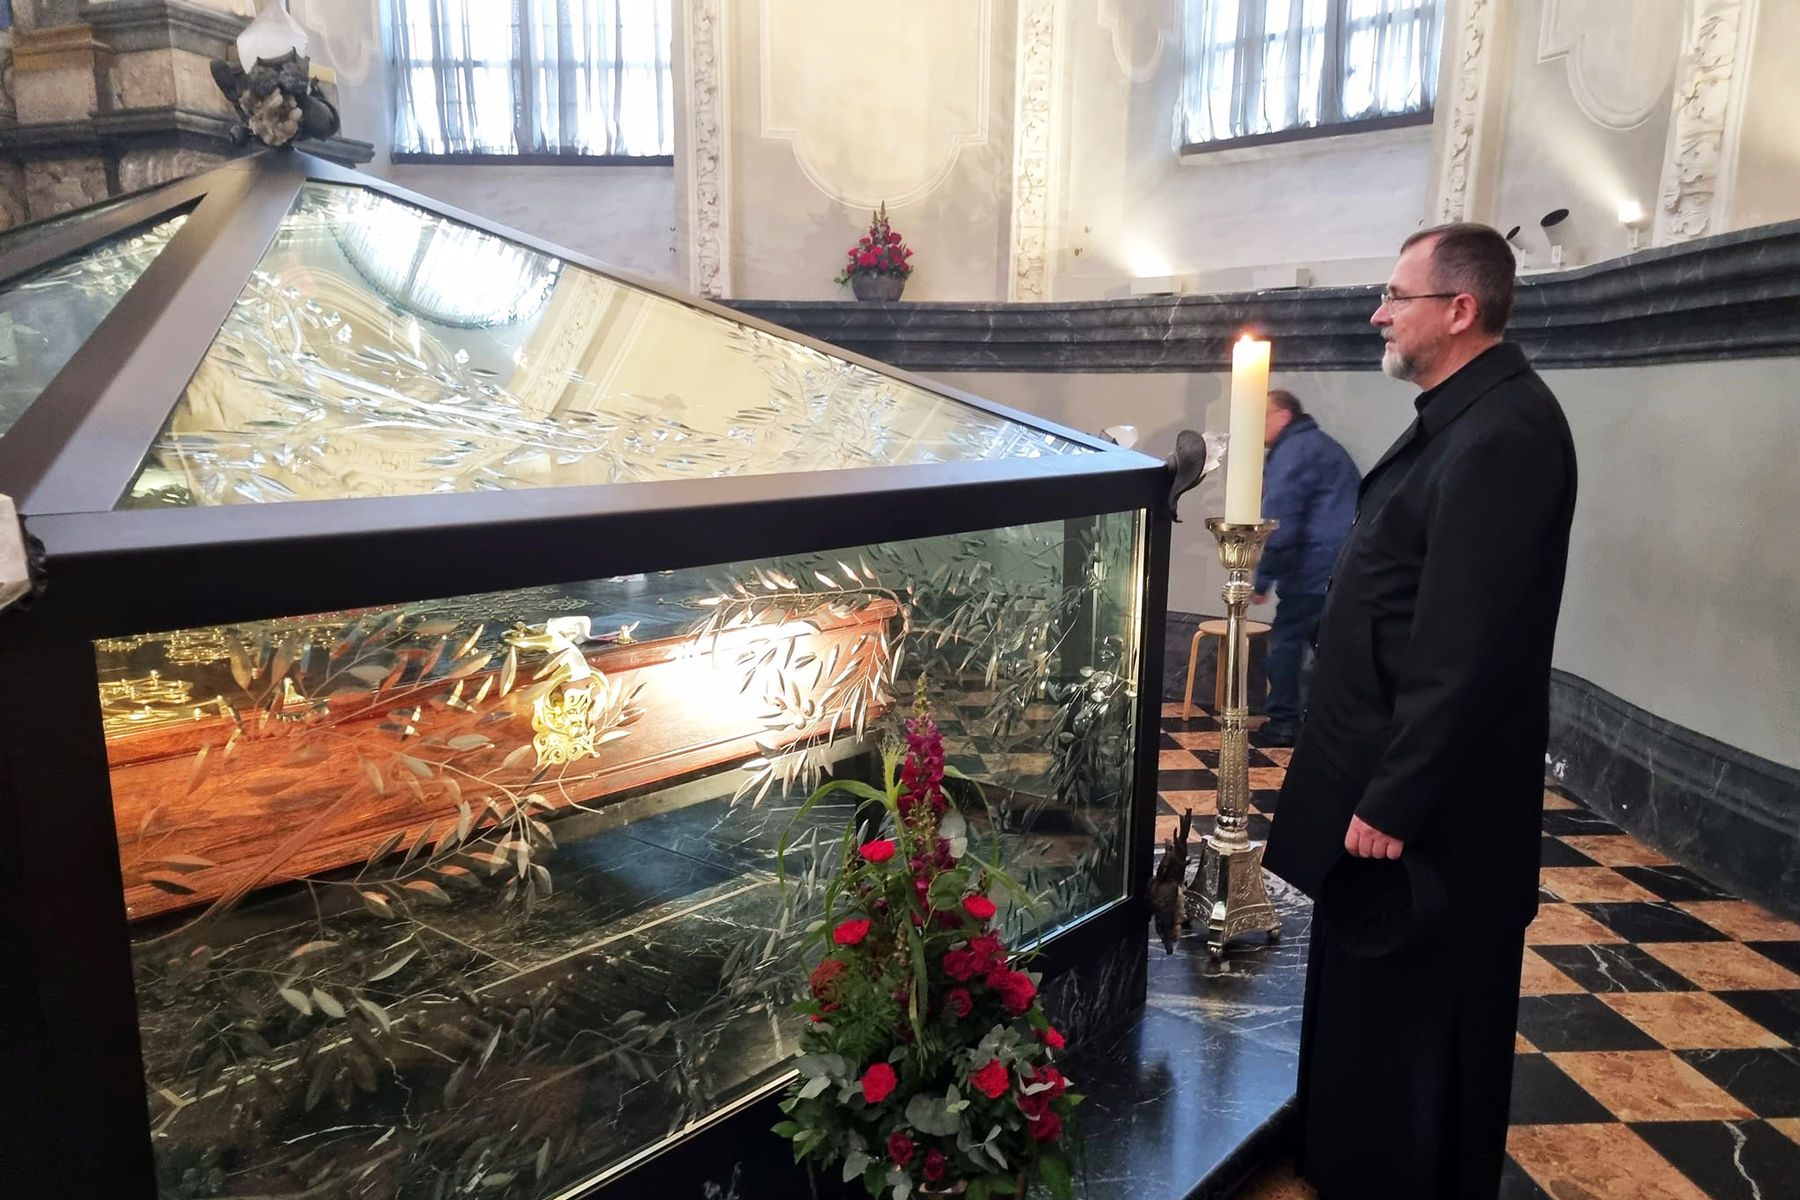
(877, 1082)
(992, 1080)
(878, 852)
(958, 1002)
(979, 907)
(933, 1169)
(988, 951)
(893, 238)
(960, 965)
(1055, 1078)
(825, 975)
(1035, 1105)
(1015, 988)
(850, 933)
(900, 1147)
(867, 258)
(1051, 1038)
(1046, 1128)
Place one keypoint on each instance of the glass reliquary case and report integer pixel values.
(432, 641)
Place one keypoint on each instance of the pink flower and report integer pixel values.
(878, 1082)
(992, 1080)
(850, 933)
(979, 907)
(878, 851)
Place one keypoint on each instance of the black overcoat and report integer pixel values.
(1428, 717)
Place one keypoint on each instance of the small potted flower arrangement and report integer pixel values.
(878, 264)
(928, 1065)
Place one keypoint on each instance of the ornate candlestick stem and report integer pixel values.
(1229, 896)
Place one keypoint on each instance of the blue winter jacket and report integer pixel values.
(1309, 485)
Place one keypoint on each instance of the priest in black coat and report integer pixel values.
(1411, 809)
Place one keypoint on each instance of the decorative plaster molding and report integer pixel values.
(1620, 54)
(1689, 201)
(1471, 66)
(1163, 17)
(825, 167)
(709, 209)
(1034, 147)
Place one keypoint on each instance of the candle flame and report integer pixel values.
(1246, 340)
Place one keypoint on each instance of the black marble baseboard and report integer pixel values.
(1736, 295)
(1727, 814)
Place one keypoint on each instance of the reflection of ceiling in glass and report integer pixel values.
(447, 273)
(478, 364)
(46, 316)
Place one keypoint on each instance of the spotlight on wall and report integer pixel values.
(1631, 216)
(1520, 253)
(1556, 232)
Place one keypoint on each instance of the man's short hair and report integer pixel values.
(1472, 258)
(1287, 402)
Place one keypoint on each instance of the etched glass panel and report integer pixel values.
(478, 896)
(380, 349)
(45, 317)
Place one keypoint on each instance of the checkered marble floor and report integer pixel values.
(1659, 1017)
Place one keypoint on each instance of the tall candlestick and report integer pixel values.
(1244, 453)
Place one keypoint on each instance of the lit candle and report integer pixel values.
(1244, 453)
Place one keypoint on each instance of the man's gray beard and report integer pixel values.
(1396, 365)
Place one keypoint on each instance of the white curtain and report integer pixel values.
(1258, 66)
(589, 77)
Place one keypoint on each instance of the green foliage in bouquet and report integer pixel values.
(928, 1061)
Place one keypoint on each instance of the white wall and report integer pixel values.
(1683, 588)
(1133, 207)
(1767, 186)
(1363, 411)
(622, 216)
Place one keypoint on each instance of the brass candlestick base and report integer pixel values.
(1228, 896)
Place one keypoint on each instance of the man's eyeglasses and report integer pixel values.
(1392, 299)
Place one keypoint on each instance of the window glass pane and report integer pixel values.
(1260, 66)
(581, 77)
(45, 317)
(380, 349)
(484, 887)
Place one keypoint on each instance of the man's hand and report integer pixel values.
(1366, 841)
(1259, 598)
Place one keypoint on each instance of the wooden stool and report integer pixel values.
(1213, 629)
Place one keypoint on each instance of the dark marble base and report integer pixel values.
(1190, 1097)
(1178, 635)
(1731, 816)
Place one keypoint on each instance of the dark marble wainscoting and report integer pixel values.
(1736, 295)
(1178, 635)
(1731, 816)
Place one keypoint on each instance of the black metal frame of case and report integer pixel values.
(71, 1008)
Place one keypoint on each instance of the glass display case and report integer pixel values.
(434, 642)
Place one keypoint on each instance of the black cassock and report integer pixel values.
(1428, 717)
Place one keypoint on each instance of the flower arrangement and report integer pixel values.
(879, 252)
(928, 1062)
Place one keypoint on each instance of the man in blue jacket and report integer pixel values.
(1309, 485)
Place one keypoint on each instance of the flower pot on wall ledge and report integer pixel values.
(869, 286)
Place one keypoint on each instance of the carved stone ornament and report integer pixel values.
(1688, 201)
(709, 263)
(279, 100)
(1033, 147)
(1472, 63)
